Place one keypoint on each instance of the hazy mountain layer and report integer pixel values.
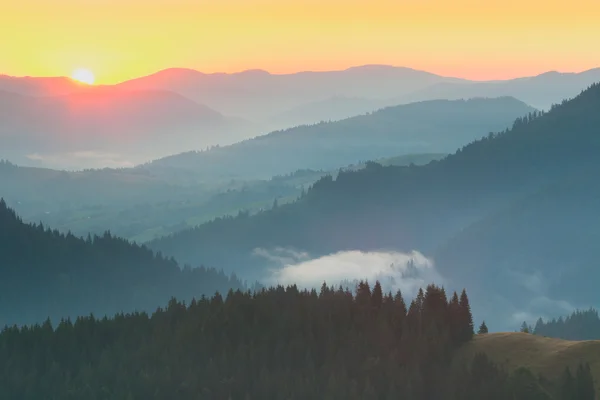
(421, 208)
(102, 127)
(137, 205)
(427, 127)
(541, 91)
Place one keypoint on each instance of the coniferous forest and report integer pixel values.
(277, 343)
(44, 273)
(580, 325)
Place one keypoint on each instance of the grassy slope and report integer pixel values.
(542, 355)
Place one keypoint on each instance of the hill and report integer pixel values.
(422, 207)
(545, 356)
(47, 274)
(541, 91)
(428, 127)
(108, 127)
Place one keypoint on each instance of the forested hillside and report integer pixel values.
(47, 274)
(437, 126)
(280, 343)
(406, 208)
(545, 243)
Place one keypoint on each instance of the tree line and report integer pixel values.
(275, 343)
(580, 325)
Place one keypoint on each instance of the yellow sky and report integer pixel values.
(122, 39)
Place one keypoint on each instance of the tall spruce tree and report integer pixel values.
(377, 296)
(467, 329)
(454, 313)
(483, 329)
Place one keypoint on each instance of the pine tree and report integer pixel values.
(363, 294)
(400, 304)
(466, 318)
(454, 315)
(483, 329)
(539, 326)
(377, 296)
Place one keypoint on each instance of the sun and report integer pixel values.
(84, 76)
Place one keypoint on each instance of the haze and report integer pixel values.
(299, 199)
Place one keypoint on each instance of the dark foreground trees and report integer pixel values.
(280, 343)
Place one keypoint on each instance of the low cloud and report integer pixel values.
(81, 159)
(405, 271)
(543, 307)
(535, 301)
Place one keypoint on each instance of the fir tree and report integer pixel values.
(483, 329)
(466, 318)
(377, 296)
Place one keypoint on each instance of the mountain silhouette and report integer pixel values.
(37, 86)
(539, 91)
(258, 95)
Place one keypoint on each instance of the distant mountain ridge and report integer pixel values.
(39, 86)
(260, 96)
(437, 126)
(255, 102)
(541, 91)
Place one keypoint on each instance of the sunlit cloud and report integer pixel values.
(405, 271)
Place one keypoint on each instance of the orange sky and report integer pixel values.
(122, 39)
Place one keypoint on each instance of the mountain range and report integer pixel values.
(176, 110)
(541, 91)
(452, 210)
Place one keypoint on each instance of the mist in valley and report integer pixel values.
(358, 230)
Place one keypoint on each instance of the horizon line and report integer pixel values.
(390, 66)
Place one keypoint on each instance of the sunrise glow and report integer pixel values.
(84, 76)
(125, 39)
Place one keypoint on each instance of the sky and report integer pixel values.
(122, 39)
